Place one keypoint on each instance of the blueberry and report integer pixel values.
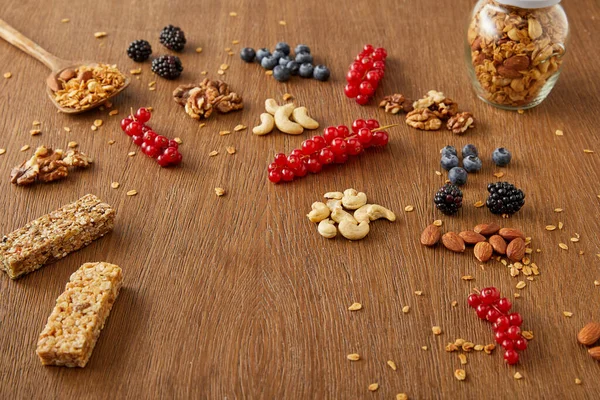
(501, 157)
(470, 150)
(294, 67)
(303, 57)
(247, 54)
(269, 62)
(458, 176)
(281, 73)
(306, 70)
(262, 53)
(321, 73)
(449, 161)
(283, 47)
(283, 61)
(472, 164)
(302, 48)
(448, 150)
(278, 54)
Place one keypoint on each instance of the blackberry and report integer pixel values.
(448, 199)
(169, 67)
(172, 37)
(504, 198)
(139, 50)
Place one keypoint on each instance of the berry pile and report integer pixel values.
(284, 64)
(489, 306)
(335, 146)
(365, 73)
(165, 151)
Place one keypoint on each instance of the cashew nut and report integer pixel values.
(266, 124)
(371, 212)
(271, 106)
(283, 122)
(353, 200)
(300, 115)
(339, 215)
(353, 231)
(327, 228)
(319, 212)
(333, 204)
(334, 195)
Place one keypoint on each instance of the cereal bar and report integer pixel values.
(79, 315)
(53, 236)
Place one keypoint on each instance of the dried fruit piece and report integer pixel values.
(453, 242)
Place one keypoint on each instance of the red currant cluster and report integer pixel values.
(336, 144)
(365, 73)
(165, 151)
(489, 306)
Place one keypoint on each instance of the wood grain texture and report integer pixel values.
(238, 296)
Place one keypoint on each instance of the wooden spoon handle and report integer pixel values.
(14, 37)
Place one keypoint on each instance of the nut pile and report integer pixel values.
(287, 118)
(335, 210)
(433, 109)
(201, 99)
(589, 335)
(515, 59)
(48, 165)
(85, 86)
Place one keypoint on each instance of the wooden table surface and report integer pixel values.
(238, 296)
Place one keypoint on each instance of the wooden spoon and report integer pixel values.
(57, 65)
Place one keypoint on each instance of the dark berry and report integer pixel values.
(458, 176)
(302, 48)
(281, 74)
(306, 70)
(448, 150)
(448, 199)
(472, 164)
(294, 67)
(172, 37)
(504, 198)
(501, 157)
(278, 54)
(247, 54)
(302, 58)
(269, 62)
(262, 53)
(283, 61)
(470, 150)
(449, 161)
(321, 73)
(139, 50)
(168, 67)
(283, 47)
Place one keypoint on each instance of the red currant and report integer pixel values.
(508, 344)
(521, 344)
(281, 159)
(314, 165)
(380, 138)
(354, 77)
(274, 176)
(149, 137)
(152, 150)
(367, 62)
(161, 141)
(138, 139)
(362, 99)
(511, 357)
(382, 51)
(353, 146)
(287, 175)
(162, 161)
(493, 315)
(125, 122)
(357, 124)
(514, 332)
(319, 142)
(134, 128)
(357, 66)
(143, 147)
(343, 131)
(366, 88)
(368, 48)
(372, 124)
(373, 76)
(489, 295)
(341, 158)
(515, 319)
(504, 305)
(143, 115)
(338, 146)
(272, 167)
(145, 128)
(309, 147)
(301, 171)
(293, 162)
(330, 133)
(177, 160)
(500, 337)
(364, 135)
(502, 324)
(326, 156)
(170, 153)
(482, 310)
(379, 65)
(473, 298)
(173, 143)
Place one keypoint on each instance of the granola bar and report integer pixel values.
(79, 315)
(53, 236)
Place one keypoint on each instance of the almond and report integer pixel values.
(487, 229)
(498, 244)
(517, 63)
(453, 242)
(506, 72)
(516, 249)
(431, 235)
(511, 233)
(595, 353)
(589, 334)
(483, 251)
(471, 237)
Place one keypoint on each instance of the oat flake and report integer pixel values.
(438, 222)
(405, 309)
(460, 374)
(131, 153)
(178, 140)
(559, 132)
(287, 96)
(198, 49)
(35, 132)
(98, 122)
(114, 185)
(463, 359)
(518, 376)
(113, 112)
(233, 14)
(353, 357)
(282, 22)
(577, 381)
(230, 150)
(401, 396)
(99, 35)
(436, 330)
(521, 285)
(563, 246)
(409, 208)
(392, 365)
(7, 75)
(219, 191)
(65, 20)
(24, 148)
(355, 307)
(223, 133)
(479, 204)
(239, 127)
(373, 387)
(567, 314)
(132, 192)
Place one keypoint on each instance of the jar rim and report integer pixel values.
(529, 3)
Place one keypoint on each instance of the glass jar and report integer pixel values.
(515, 49)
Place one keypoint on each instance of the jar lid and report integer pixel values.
(529, 3)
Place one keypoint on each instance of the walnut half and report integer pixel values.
(423, 119)
(459, 123)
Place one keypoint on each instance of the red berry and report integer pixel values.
(362, 99)
(171, 154)
(493, 315)
(326, 156)
(511, 357)
(374, 76)
(368, 48)
(274, 176)
(330, 133)
(338, 146)
(379, 65)
(372, 124)
(343, 131)
(521, 344)
(162, 161)
(152, 150)
(508, 344)
(367, 62)
(514, 332)
(319, 142)
(364, 135)
(149, 137)
(382, 51)
(297, 152)
(161, 141)
(341, 158)
(353, 146)
(301, 171)
(125, 122)
(504, 305)
(134, 128)
(353, 77)
(357, 66)
(500, 337)
(145, 128)
(143, 115)
(502, 324)
(357, 124)
(482, 310)
(366, 88)
(177, 160)
(287, 175)
(515, 319)
(489, 295)
(173, 143)
(314, 165)
(473, 298)
(293, 162)
(380, 138)
(272, 167)
(309, 147)
(281, 159)
(138, 139)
